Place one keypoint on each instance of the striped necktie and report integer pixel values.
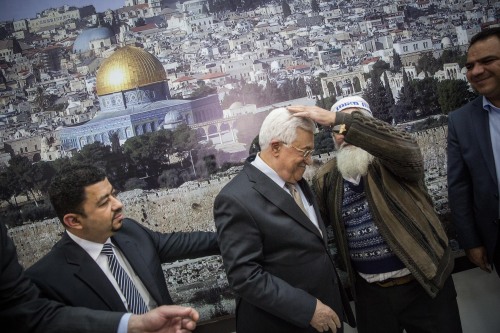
(296, 196)
(134, 299)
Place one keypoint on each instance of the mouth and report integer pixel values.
(480, 79)
(118, 216)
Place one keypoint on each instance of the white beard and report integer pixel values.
(353, 161)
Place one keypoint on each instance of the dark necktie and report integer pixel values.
(134, 299)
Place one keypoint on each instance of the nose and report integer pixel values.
(476, 69)
(308, 159)
(117, 204)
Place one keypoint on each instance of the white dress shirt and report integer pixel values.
(268, 171)
(94, 251)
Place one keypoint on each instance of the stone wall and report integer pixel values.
(189, 208)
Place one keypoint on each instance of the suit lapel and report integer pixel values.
(133, 254)
(278, 197)
(479, 119)
(91, 274)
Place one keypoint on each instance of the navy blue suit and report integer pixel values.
(472, 179)
(69, 275)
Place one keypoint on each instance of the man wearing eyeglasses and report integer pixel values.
(389, 239)
(273, 241)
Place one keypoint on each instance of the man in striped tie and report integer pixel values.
(105, 261)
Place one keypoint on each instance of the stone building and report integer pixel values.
(134, 99)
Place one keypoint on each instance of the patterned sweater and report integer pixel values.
(398, 199)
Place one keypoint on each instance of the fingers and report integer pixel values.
(172, 311)
(485, 268)
(479, 257)
(188, 324)
(324, 318)
(334, 323)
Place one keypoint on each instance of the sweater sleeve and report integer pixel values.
(396, 150)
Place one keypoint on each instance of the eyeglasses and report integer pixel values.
(305, 153)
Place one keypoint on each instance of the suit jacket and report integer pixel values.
(69, 275)
(276, 260)
(23, 311)
(472, 179)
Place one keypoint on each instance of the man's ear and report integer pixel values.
(72, 221)
(275, 147)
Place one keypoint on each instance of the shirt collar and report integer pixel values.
(488, 106)
(92, 248)
(267, 170)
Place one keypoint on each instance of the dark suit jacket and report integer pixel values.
(69, 275)
(472, 179)
(22, 311)
(276, 260)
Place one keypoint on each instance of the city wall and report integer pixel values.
(189, 208)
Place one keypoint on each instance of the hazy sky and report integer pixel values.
(19, 9)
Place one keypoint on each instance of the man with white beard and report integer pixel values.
(389, 239)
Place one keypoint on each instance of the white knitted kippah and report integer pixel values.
(351, 102)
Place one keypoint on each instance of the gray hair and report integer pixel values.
(281, 125)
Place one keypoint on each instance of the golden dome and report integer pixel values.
(128, 68)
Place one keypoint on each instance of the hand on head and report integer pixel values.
(317, 114)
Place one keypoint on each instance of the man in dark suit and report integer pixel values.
(78, 272)
(273, 241)
(474, 155)
(23, 311)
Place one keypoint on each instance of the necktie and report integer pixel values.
(135, 301)
(296, 196)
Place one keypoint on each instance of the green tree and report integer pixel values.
(428, 63)
(169, 179)
(203, 90)
(315, 84)
(43, 101)
(451, 56)
(397, 64)
(21, 171)
(150, 151)
(323, 142)
(95, 153)
(116, 164)
(315, 6)
(286, 8)
(135, 183)
(405, 107)
(452, 94)
(426, 98)
(41, 176)
(326, 102)
(115, 141)
(210, 163)
(7, 189)
(271, 93)
(379, 68)
(378, 97)
(140, 22)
